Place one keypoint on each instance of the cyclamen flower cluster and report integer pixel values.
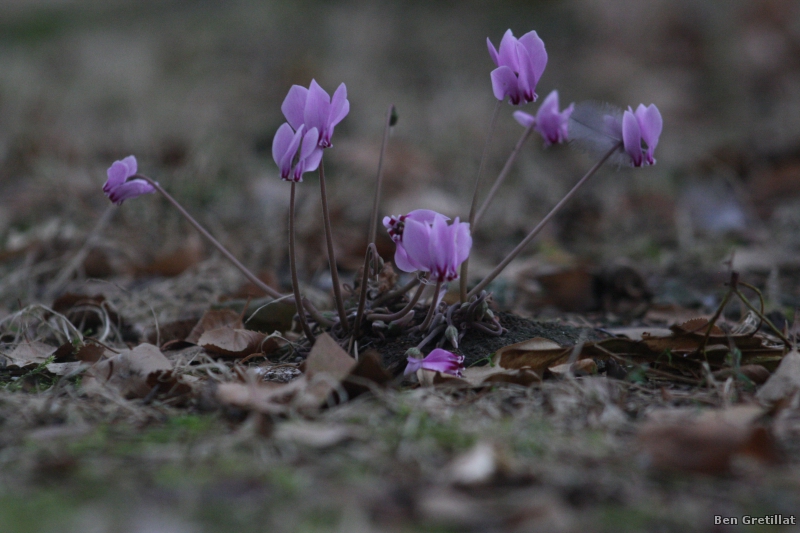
(426, 243)
(311, 117)
(549, 121)
(644, 124)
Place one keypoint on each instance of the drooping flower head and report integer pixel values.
(119, 188)
(549, 121)
(438, 360)
(315, 108)
(644, 124)
(520, 64)
(426, 242)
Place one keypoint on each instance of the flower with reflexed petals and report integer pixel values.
(438, 360)
(643, 125)
(432, 245)
(396, 224)
(315, 108)
(119, 188)
(520, 64)
(549, 121)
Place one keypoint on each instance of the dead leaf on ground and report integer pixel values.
(755, 373)
(128, 371)
(705, 441)
(261, 397)
(580, 367)
(784, 382)
(92, 353)
(326, 367)
(29, 354)
(214, 319)
(236, 342)
(478, 376)
(536, 354)
(64, 369)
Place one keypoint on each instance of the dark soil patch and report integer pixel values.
(476, 345)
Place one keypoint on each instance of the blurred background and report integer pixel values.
(194, 88)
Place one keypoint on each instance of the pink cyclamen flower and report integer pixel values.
(396, 224)
(644, 124)
(549, 121)
(119, 188)
(435, 246)
(295, 152)
(520, 64)
(438, 360)
(316, 109)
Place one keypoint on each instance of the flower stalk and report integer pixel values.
(298, 299)
(373, 221)
(337, 289)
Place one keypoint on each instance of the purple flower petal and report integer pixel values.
(416, 241)
(294, 106)
(505, 84)
(340, 107)
(650, 124)
(117, 174)
(130, 189)
(551, 123)
(440, 360)
(507, 56)
(414, 364)
(632, 138)
(527, 79)
(492, 52)
(536, 54)
(318, 107)
(280, 146)
(524, 119)
(402, 260)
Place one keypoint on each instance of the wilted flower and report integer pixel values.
(296, 153)
(438, 360)
(520, 64)
(549, 121)
(436, 247)
(644, 124)
(119, 188)
(315, 108)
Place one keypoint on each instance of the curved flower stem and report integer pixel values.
(293, 267)
(432, 309)
(474, 204)
(224, 251)
(337, 290)
(403, 312)
(501, 177)
(316, 315)
(432, 335)
(372, 252)
(394, 294)
(535, 231)
(373, 228)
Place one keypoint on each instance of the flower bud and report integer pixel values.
(413, 352)
(451, 334)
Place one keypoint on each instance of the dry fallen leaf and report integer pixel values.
(29, 354)
(213, 319)
(236, 342)
(326, 367)
(784, 382)
(705, 441)
(582, 366)
(128, 371)
(536, 354)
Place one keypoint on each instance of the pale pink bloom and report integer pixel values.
(118, 187)
(437, 247)
(296, 153)
(315, 108)
(644, 124)
(438, 360)
(520, 64)
(396, 224)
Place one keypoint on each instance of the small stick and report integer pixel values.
(394, 294)
(767, 321)
(224, 251)
(298, 300)
(373, 228)
(474, 204)
(535, 231)
(432, 309)
(337, 290)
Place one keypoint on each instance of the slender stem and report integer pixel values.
(298, 300)
(535, 231)
(474, 204)
(372, 252)
(432, 309)
(373, 228)
(403, 312)
(501, 177)
(394, 294)
(224, 251)
(316, 315)
(769, 323)
(337, 289)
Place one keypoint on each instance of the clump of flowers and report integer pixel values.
(428, 244)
